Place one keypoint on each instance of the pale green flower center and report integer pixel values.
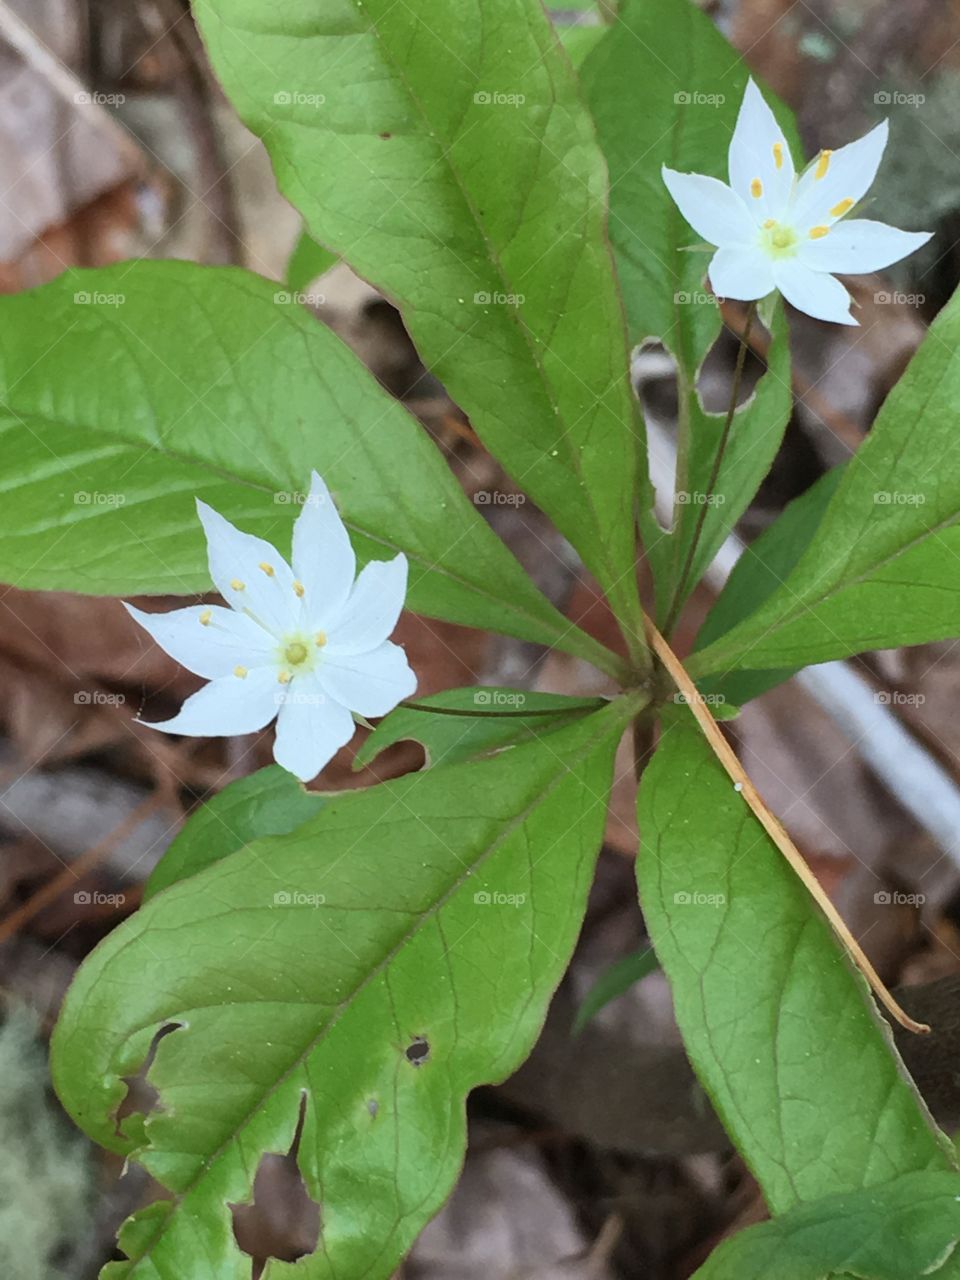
(297, 654)
(779, 240)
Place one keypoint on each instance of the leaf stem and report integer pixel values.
(735, 771)
(681, 587)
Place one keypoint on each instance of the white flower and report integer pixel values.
(777, 231)
(307, 645)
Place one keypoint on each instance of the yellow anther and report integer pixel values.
(267, 568)
(320, 639)
(823, 164)
(298, 588)
(205, 617)
(817, 233)
(770, 222)
(840, 209)
(240, 672)
(756, 188)
(284, 677)
(778, 154)
(237, 584)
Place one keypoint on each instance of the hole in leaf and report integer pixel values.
(282, 1221)
(417, 1051)
(141, 1097)
(715, 377)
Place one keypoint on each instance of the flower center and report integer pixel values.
(778, 240)
(296, 653)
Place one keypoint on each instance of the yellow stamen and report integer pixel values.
(817, 233)
(240, 672)
(205, 617)
(770, 222)
(237, 584)
(321, 639)
(840, 209)
(778, 154)
(823, 164)
(298, 588)
(284, 677)
(756, 188)
(267, 568)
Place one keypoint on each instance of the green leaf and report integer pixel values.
(450, 160)
(206, 386)
(799, 1066)
(365, 967)
(620, 977)
(308, 261)
(665, 88)
(762, 568)
(881, 570)
(905, 1228)
(270, 802)
(471, 722)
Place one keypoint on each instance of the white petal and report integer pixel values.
(859, 245)
(311, 728)
(813, 292)
(266, 594)
(226, 707)
(742, 273)
(211, 648)
(849, 175)
(372, 610)
(323, 558)
(757, 146)
(369, 683)
(712, 209)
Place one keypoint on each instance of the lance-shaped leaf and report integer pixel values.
(664, 88)
(443, 151)
(128, 393)
(881, 569)
(909, 1227)
(462, 724)
(370, 968)
(778, 1026)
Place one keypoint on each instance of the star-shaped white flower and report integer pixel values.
(774, 230)
(307, 645)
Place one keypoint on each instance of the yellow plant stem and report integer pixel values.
(727, 757)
